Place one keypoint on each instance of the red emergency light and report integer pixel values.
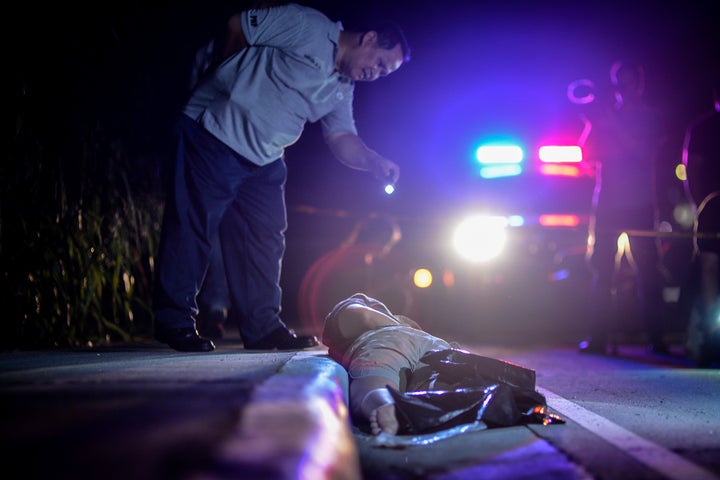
(560, 154)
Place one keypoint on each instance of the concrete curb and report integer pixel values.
(296, 426)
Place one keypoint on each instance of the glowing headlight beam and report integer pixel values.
(480, 238)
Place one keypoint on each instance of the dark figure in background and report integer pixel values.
(701, 157)
(625, 140)
(278, 68)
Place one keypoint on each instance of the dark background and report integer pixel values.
(478, 69)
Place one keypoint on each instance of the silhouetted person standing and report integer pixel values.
(625, 140)
(701, 156)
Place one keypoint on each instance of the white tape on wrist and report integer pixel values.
(374, 399)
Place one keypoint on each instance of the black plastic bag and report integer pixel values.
(478, 389)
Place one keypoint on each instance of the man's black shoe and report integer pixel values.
(185, 340)
(283, 339)
(210, 324)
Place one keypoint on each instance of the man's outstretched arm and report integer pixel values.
(350, 150)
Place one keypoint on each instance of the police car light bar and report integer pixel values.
(560, 154)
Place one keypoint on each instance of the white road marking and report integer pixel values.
(654, 456)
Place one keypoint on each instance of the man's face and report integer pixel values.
(367, 62)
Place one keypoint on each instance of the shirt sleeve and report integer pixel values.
(274, 26)
(341, 118)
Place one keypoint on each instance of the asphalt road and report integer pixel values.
(141, 412)
(145, 412)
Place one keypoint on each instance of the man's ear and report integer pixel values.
(368, 38)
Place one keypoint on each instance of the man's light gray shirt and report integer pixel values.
(258, 101)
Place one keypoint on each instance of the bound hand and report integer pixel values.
(384, 420)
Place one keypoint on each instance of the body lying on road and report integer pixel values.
(405, 381)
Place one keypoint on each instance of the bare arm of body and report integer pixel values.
(370, 398)
(368, 395)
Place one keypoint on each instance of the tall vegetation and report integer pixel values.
(78, 239)
(80, 186)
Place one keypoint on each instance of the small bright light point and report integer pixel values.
(681, 172)
(559, 220)
(560, 154)
(490, 154)
(389, 188)
(422, 278)
(499, 171)
(480, 238)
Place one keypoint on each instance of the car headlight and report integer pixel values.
(480, 237)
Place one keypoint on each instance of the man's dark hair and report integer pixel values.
(389, 36)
